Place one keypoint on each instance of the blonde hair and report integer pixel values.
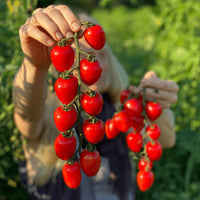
(43, 159)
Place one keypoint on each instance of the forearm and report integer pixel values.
(29, 94)
(166, 123)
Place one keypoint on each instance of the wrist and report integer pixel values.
(41, 66)
(32, 73)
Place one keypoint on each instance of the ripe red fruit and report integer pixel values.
(122, 121)
(72, 174)
(90, 162)
(133, 107)
(110, 129)
(62, 57)
(95, 36)
(124, 95)
(154, 150)
(92, 104)
(137, 123)
(134, 141)
(153, 110)
(90, 71)
(65, 146)
(145, 164)
(153, 131)
(66, 89)
(93, 131)
(65, 120)
(145, 180)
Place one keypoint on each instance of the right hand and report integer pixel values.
(43, 29)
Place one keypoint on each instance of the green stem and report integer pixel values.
(79, 91)
(68, 106)
(84, 53)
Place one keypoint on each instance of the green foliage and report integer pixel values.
(162, 37)
(10, 59)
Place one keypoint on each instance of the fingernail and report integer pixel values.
(69, 34)
(59, 36)
(76, 26)
(50, 42)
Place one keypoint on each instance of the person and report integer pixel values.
(35, 102)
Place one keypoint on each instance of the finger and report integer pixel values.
(169, 86)
(35, 33)
(134, 89)
(42, 19)
(59, 20)
(70, 18)
(161, 95)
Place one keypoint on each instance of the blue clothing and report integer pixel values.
(116, 153)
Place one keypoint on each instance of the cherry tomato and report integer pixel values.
(90, 162)
(93, 131)
(133, 107)
(153, 131)
(122, 121)
(124, 95)
(154, 150)
(66, 89)
(137, 123)
(134, 141)
(65, 146)
(145, 164)
(90, 71)
(65, 120)
(153, 110)
(95, 36)
(72, 174)
(92, 104)
(62, 57)
(145, 180)
(110, 129)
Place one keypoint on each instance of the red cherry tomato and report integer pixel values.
(153, 110)
(153, 131)
(154, 150)
(62, 57)
(133, 107)
(145, 164)
(90, 71)
(137, 123)
(134, 141)
(90, 162)
(66, 89)
(64, 120)
(72, 174)
(110, 129)
(95, 36)
(65, 146)
(92, 104)
(145, 180)
(122, 121)
(94, 132)
(124, 95)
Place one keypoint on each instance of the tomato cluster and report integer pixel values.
(75, 101)
(138, 115)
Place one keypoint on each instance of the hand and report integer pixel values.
(167, 90)
(41, 31)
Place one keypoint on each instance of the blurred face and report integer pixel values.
(102, 57)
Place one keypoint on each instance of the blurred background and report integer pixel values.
(159, 35)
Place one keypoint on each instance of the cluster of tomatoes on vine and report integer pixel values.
(77, 99)
(138, 114)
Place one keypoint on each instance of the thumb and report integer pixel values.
(150, 74)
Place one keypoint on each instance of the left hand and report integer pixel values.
(167, 90)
